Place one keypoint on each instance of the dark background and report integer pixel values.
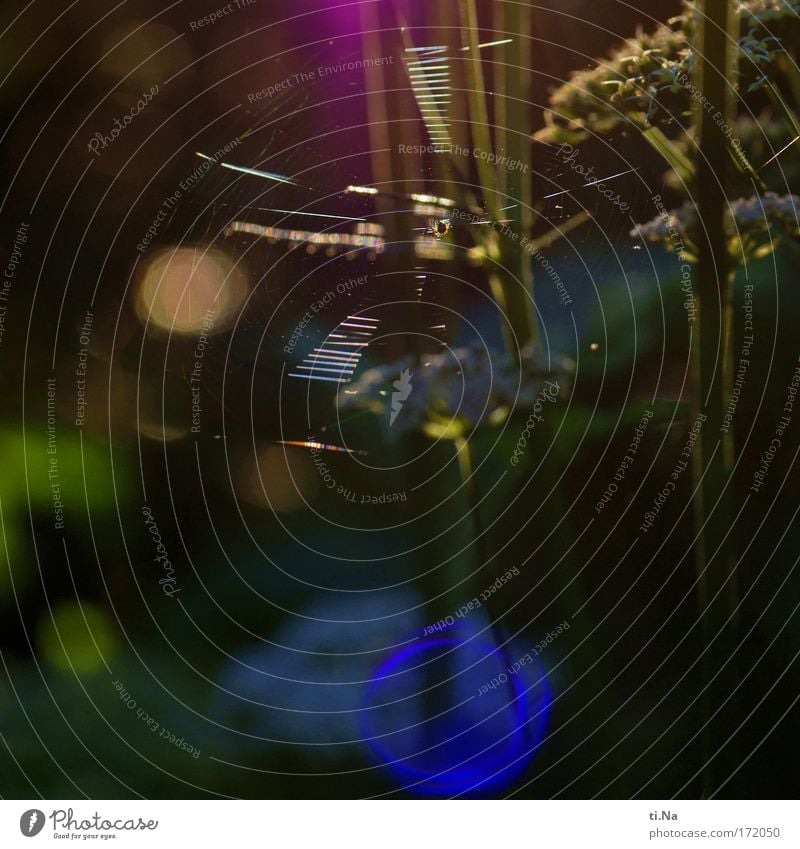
(627, 674)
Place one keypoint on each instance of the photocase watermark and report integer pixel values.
(351, 495)
(680, 467)
(304, 77)
(402, 391)
(319, 305)
(626, 462)
(187, 183)
(548, 395)
(760, 475)
(80, 371)
(474, 604)
(744, 360)
(32, 822)
(222, 12)
(569, 156)
(508, 233)
(52, 456)
(679, 248)
(10, 272)
(168, 582)
(529, 657)
(498, 160)
(96, 826)
(206, 327)
(719, 119)
(164, 733)
(547, 266)
(100, 141)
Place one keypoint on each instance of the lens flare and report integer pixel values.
(427, 722)
(189, 290)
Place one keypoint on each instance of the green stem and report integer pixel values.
(517, 146)
(511, 282)
(467, 469)
(711, 391)
(479, 113)
(482, 554)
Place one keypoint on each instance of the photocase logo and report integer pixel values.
(31, 822)
(403, 390)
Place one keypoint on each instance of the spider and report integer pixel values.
(438, 227)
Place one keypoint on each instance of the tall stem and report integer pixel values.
(511, 284)
(467, 470)
(480, 544)
(515, 143)
(711, 391)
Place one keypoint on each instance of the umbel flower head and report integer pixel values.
(448, 395)
(754, 226)
(647, 82)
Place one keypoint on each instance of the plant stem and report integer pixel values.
(482, 553)
(466, 468)
(517, 184)
(511, 281)
(711, 391)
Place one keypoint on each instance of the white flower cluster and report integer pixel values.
(456, 391)
(746, 216)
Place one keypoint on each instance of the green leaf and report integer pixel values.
(672, 153)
